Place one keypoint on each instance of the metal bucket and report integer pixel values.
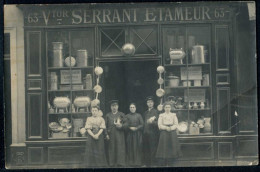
(82, 58)
(57, 60)
(198, 54)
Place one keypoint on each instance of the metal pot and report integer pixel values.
(82, 101)
(61, 102)
(176, 54)
(174, 81)
(198, 55)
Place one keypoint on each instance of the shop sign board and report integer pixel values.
(67, 76)
(86, 14)
(191, 73)
(195, 95)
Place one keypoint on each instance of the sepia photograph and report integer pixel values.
(130, 85)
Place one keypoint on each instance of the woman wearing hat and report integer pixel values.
(115, 122)
(168, 147)
(151, 133)
(95, 150)
(134, 137)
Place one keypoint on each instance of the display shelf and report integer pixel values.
(206, 109)
(175, 65)
(82, 90)
(184, 65)
(180, 110)
(69, 90)
(80, 113)
(67, 113)
(72, 113)
(61, 68)
(194, 135)
(199, 64)
(185, 87)
(67, 138)
(59, 90)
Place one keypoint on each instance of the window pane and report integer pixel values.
(112, 41)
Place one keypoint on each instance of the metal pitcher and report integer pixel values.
(198, 54)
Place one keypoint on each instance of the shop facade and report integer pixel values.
(197, 44)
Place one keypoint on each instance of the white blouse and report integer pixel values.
(93, 122)
(167, 120)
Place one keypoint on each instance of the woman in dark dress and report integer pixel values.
(116, 124)
(168, 147)
(95, 150)
(151, 133)
(134, 137)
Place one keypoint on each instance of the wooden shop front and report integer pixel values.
(206, 84)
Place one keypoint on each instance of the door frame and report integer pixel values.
(98, 61)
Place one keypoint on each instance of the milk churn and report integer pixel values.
(82, 58)
(57, 60)
(53, 81)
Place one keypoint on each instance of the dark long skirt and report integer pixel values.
(150, 144)
(95, 152)
(168, 146)
(134, 148)
(116, 148)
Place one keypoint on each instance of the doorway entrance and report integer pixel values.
(128, 81)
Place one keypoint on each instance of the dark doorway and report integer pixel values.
(128, 81)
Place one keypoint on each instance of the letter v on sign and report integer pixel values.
(46, 18)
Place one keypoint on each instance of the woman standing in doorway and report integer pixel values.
(134, 137)
(95, 150)
(168, 147)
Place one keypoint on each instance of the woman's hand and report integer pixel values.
(118, 125)
(107, 137)
(168, 129)
(95, 137)
(133, 128)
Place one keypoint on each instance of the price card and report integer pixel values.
(74, 77)
(195, 95)
(191, 73)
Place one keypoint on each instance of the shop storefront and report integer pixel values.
(197, 44)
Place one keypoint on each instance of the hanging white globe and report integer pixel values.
(160, 92)
(160, 69)
(160, 107)
(98, 70)
(98, 89)
(160, 81)
(95, 102)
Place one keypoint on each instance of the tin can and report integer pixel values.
(197, 82)
(205, 80)
(57, 60)
(198, 54)
(82, 58)
(53, 81)
(88, 82)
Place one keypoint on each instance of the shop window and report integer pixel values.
(70, 55)
(188, 86)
